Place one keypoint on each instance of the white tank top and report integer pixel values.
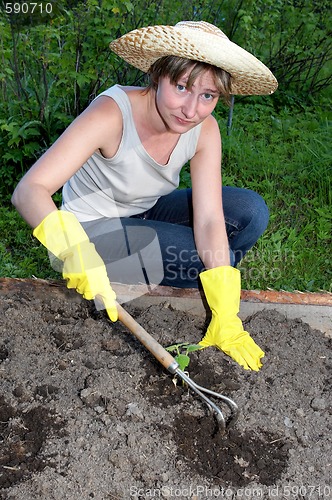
(131, 181)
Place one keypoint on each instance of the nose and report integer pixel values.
(189, 106)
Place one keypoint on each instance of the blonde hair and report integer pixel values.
(174, 67)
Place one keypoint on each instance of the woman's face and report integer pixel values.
(182, 108)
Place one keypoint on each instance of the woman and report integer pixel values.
(122, 219)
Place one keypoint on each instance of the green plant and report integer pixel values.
(21, 255)
(182, 351)
(286, 158)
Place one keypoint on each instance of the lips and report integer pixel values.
(183, 122)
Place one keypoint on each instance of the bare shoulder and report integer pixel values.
(104, 108)
(210, 126)
(209, 138)
(104, 115)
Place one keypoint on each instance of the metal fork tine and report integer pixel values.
(198, 389)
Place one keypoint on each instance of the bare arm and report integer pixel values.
(209, 223)
(89, 132)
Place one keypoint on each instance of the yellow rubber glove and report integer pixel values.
(222, 288)
(83, 268)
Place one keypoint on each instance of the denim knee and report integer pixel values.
(246, 222)
(260, 215)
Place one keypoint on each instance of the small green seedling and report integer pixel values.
(182, 350)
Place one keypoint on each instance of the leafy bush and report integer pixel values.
(52, 67)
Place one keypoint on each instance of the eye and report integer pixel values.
(180, 88)
(208, 97)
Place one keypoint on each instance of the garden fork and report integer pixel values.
(168, 362)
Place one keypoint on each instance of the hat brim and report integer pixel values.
(144, 46)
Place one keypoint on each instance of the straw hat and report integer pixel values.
(198, 41)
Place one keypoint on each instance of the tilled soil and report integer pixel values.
(86, 412)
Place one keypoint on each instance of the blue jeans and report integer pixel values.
(158, 245)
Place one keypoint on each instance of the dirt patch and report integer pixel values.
(86, 412)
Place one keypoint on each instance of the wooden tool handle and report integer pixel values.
(158, 351)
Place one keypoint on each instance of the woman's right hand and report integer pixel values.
(83, 268)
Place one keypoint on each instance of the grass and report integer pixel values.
(21, 255)
(286, 158)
